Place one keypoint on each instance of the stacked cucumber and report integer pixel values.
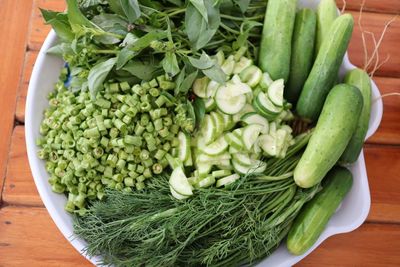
(244, 123)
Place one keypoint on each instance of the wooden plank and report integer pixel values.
(30, 59)
(380, 6)
(383, 168)
(14, 23)
(19, 187)
(39, 30)
(370, 245)
(374, 22)
(389, 129)
(28, 237)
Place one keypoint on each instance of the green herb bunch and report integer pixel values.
(132, 40)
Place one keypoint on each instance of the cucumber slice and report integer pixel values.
(224, 164)
(206, 182)
(272, 128)
(179, 182)
(203, 158)
(266, 81)
(234, 141)
(192, 180)
(268, 144)
(228, 65)
(257, 107)
(236, 79)
(184, 146)
(233, 150)
(254, 118)
(200, 87)
(176, 194)
(256, 167)
(246, 109)
(208, 129)
(252, 75)
(267, 105)
(275, 92)
(216, 148)
(281, 138)
(203, 169)
(250, 135)
(256, 148)
(242, 65)
(221, 173)
(189, 161)
(209, 104)
(228, 103)
(228, 121)
(218, 122)
(227, 180)
(242, 158)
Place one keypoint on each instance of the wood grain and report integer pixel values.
(383, 168)
(13, 34)
(374, 22)
(28, 237)
(19, 188)
(370, 245)
(39, 30)
(379, 6)
(389, 129)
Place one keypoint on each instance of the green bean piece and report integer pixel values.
(129, 181)
(114, 88)
(139, 169)
(144, 155)
(103, 103)
(164, 132)
(147, 173)
(157, 168)
(150, 127)
(160, 154)
(137, 89)
(153, 83)
(140, 178)
(58, 188)
(148, 162)
(124, 86)
(158, 124)
(145, 106)
(139, 129)
(167, 85)
(154, 92)
(160, 101)
(108, 172)
(133, 140)
(133, 174)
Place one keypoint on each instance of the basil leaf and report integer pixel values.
(90, 3)
(215, 73)
(111, 23)
(199, 5)
(98, 74)
(76, 19)
(204, 62)
(179, 80)
(59, 22)
(199, 110)
(143, 70)
(243, 4)
(188, 82)
(124, 56)
(146, 39)
(170, 64)
(131, 9)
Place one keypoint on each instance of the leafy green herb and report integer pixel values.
(170, 64)
(131, 9)
(98, 74)
(199, 109)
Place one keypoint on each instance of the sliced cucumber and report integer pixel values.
(184, 146)
(242, 158)
(236, 79)
(208, 129)
(268, 144)
(200, 87)
(246, 109)
(256, 148)
(176, 194)
(266, 81)
(233, 150)
(234, 141)
(179, 182)
(242, 65)
(275, 92)
(250, 135)
(256, 167)
(267, 105)
(203, 158)
(193, 180)
(209, 104)
(203, 169)
(224, 164)
(272, 128)
(228, 65)
(228, 121)
(216, 148)
(189, 161)
(254, 118)
(220, 173)
(227, 180)
(228, 103)
(212, 88)
(206, 182)
(218, 122)
(252, 75)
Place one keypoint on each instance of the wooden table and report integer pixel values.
(28, 236)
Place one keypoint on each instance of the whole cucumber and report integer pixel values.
(335, 127)
(302, 53)
(326, 14)
(325, 69)
(314, 216)
(360, 79)
(276, 41)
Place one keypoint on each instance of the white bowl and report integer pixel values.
(349, 216)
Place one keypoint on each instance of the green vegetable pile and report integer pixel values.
(202, 132)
